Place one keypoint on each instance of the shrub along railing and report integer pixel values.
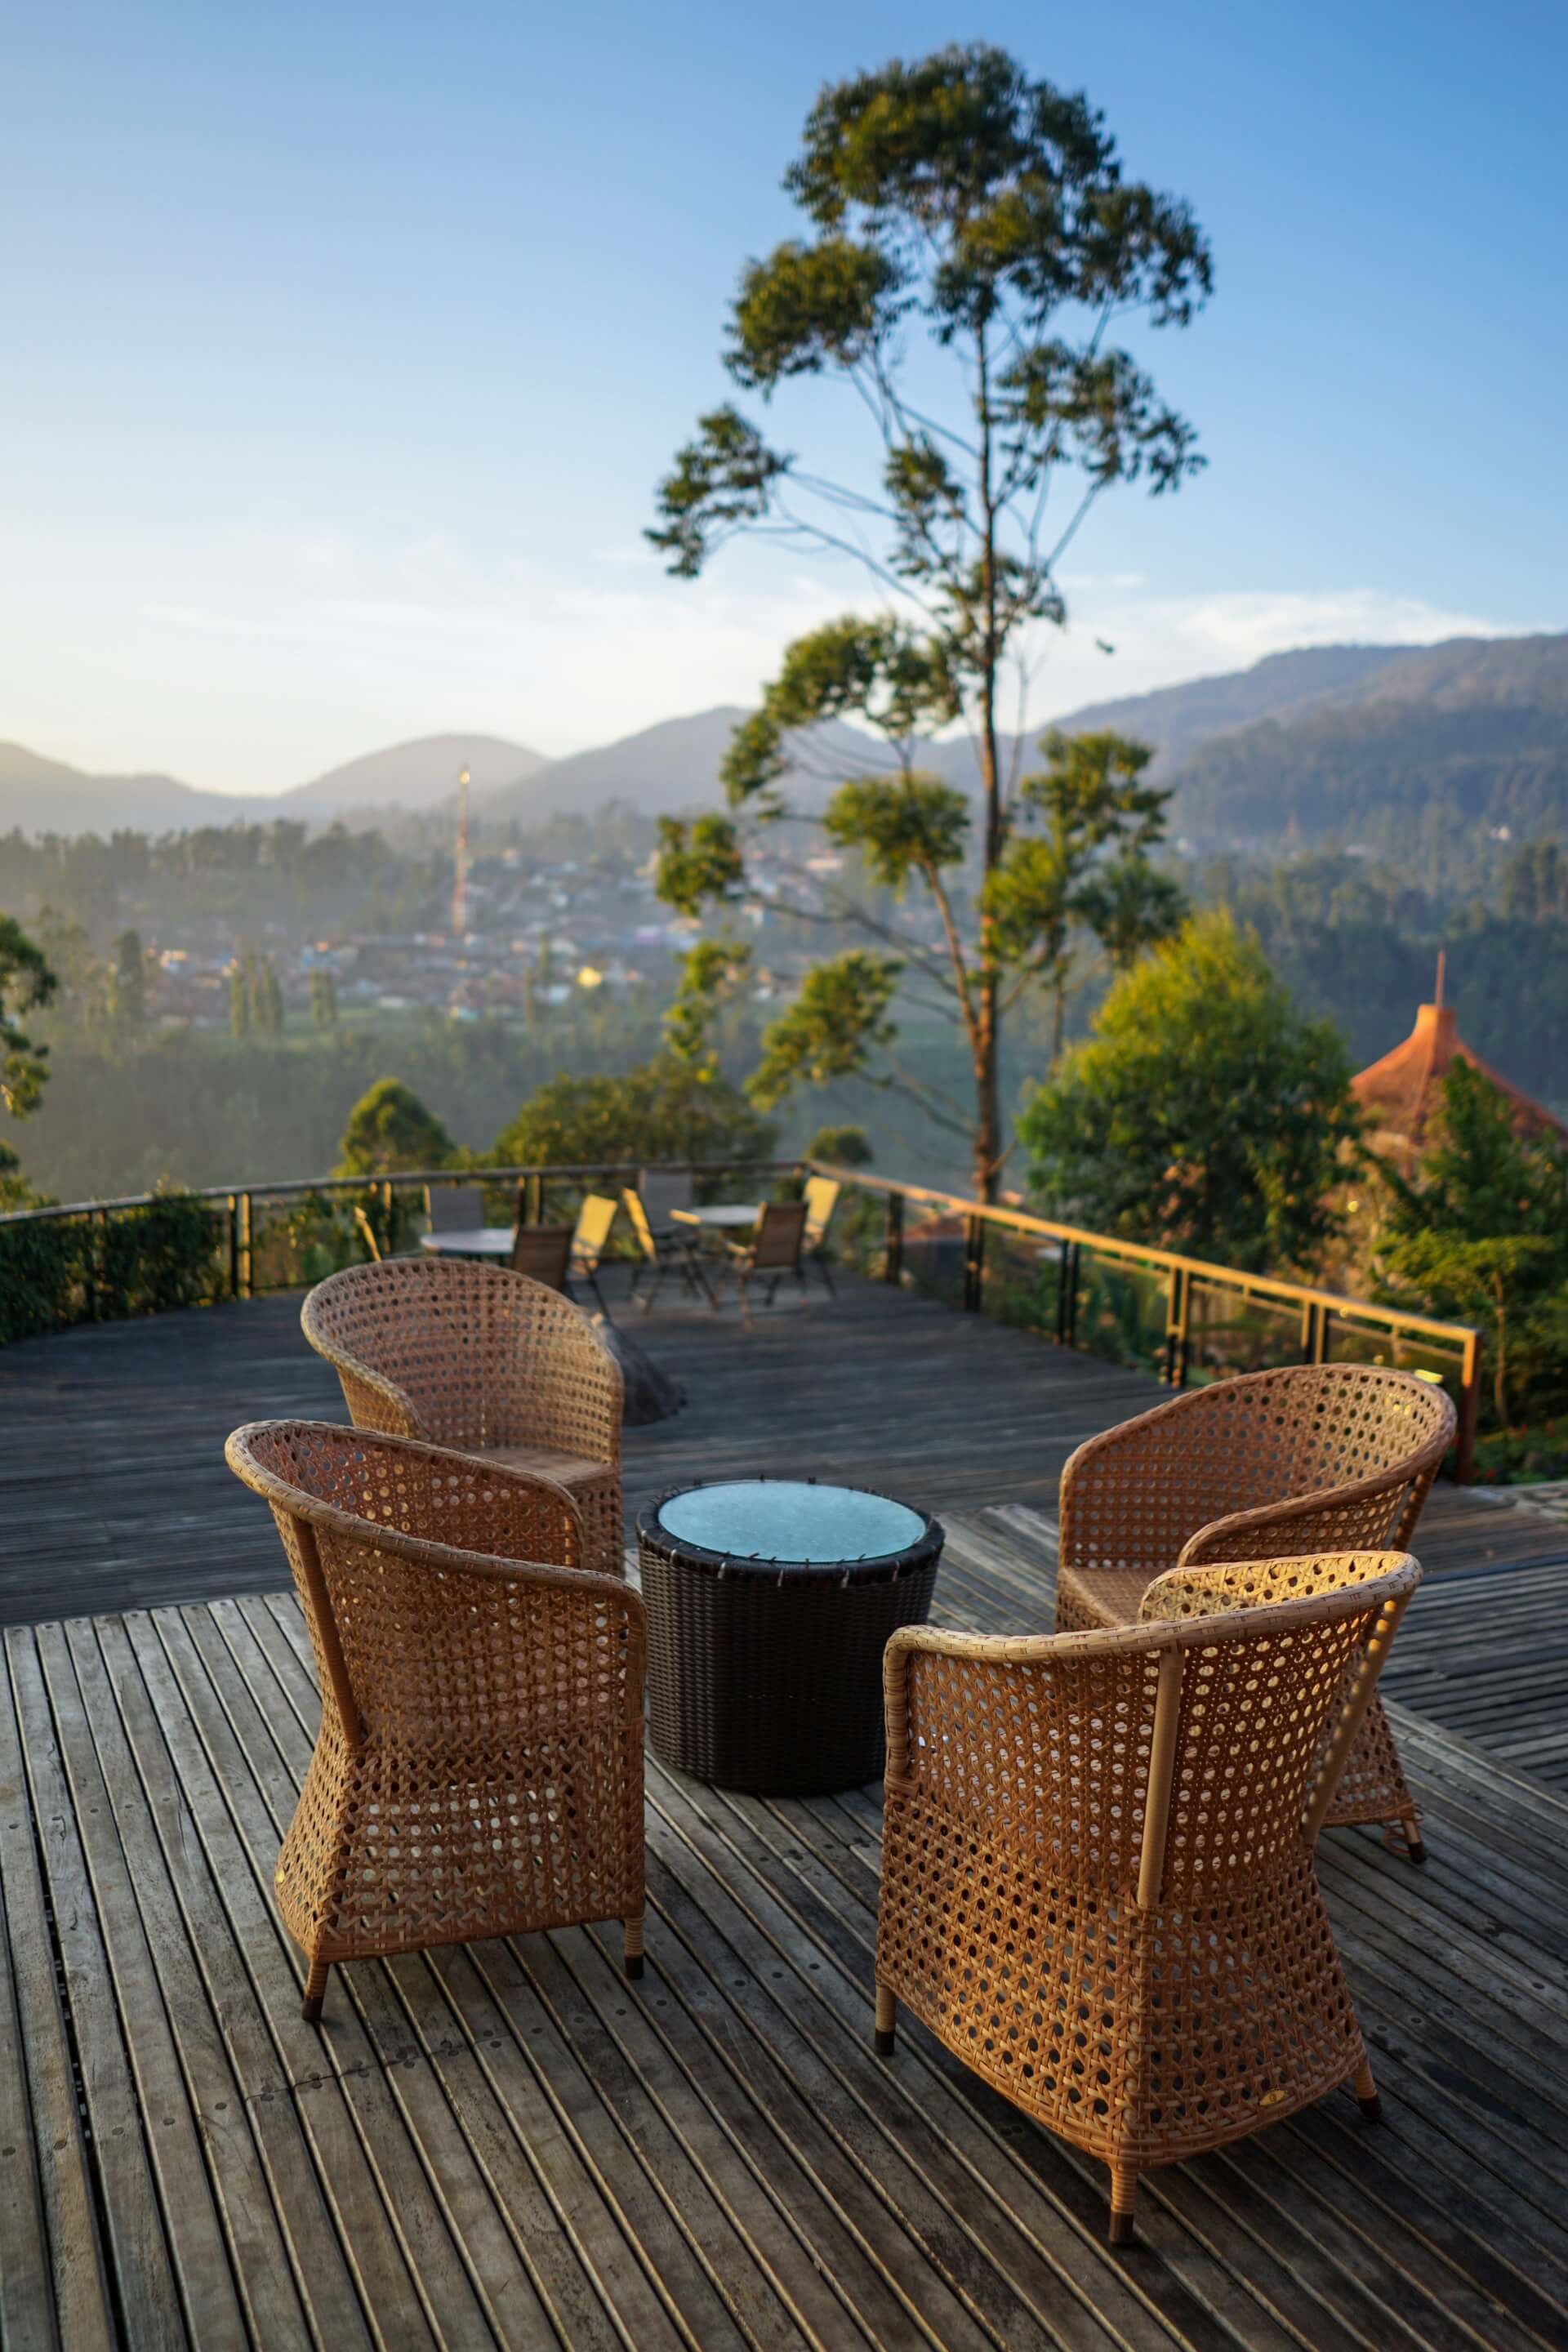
(1185, 1319)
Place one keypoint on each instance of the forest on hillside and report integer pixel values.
(132, 1101)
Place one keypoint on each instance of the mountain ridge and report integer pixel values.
(1302, 743)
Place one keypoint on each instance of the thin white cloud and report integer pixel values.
(334, 650)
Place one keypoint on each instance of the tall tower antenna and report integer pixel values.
(461, 863)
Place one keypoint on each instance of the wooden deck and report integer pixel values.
(113, 1491)
(508, 2144)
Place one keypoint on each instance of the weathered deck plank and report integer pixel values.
(510, 2145)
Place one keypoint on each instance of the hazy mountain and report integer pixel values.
(417, 775)
(1463, 737)
(1175, 719)
(675, 765)
(1363, 741)
(670, 767)
(41, 795)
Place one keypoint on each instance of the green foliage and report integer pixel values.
(324, 1000)
(27, 984)
(722, 480)
(841, 1147)
(663, 1109)
(711, 977)
(957, 196)
(900, 825)
(831, 1030)
(1053, 885)
(1206, 1115)
(1481, 1234)
(390, 1130)
(128, 983)
(698, 861)
(56, 1270)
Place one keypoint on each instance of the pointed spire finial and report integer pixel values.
(1442, 963)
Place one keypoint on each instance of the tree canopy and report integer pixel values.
(26, 985)
(1481, 1232)
(391, 1131)
(1206, 1114)
(665, 1108)
(954, 202)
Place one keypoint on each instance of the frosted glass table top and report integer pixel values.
(786, 1519)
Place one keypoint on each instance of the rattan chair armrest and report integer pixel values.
(352, 1524)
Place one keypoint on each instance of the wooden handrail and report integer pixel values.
(1318, 1306)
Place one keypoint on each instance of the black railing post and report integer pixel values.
(1175, 1372)
(893, 1240)
(1067, 1296)
(234, 1244)
(247, 1260)
(975, 1265)
(536, 1198)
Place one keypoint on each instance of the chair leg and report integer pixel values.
(1366, 2092)
(631, 1930)
(826, 1273)
(1415, 1849)
(315, 1990)
(887, 2021)
(1123, 2202)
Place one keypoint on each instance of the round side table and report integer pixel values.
(770, 1602)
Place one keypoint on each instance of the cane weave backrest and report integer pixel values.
(661, 1191)
(541, 1252)
(481, 1358)
(455, 1208)
(479, 1768)
(1310, 1458)
(776, 1242)
(1097, 1879)
(821, 1200)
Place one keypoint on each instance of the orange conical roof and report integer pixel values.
(1402, 1089)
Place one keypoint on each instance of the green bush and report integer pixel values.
(58, 1271)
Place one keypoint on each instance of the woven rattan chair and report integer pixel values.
(821, 1198)
(455, 1208)
(479, 1768)
(477, 1357)
(769, 1251)
(542, 1253)
(1317, 1457)
(1098, 1885)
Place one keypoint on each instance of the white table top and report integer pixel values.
(722, 1216)
(476, 1241)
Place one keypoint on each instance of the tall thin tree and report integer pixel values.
(962, 217)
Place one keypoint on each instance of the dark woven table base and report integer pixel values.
(773, 1683)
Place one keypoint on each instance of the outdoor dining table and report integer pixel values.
(476, 1241)
(720, 1217)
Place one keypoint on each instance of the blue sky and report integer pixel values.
(346, 345)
